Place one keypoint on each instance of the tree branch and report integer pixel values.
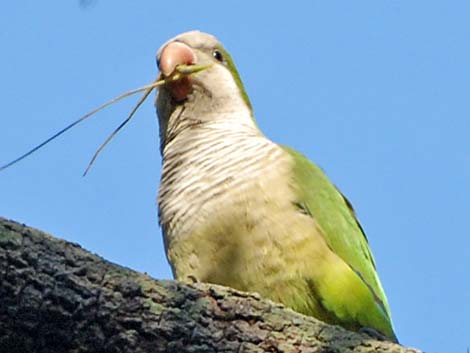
(57, 297)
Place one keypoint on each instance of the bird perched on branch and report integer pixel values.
(239, 210)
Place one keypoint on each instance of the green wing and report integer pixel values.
(340, 228)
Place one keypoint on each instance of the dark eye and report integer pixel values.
(218, 55)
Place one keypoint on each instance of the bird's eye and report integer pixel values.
(218, 55)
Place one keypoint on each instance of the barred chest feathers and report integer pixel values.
(216, 181)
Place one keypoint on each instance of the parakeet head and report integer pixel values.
(208, 96)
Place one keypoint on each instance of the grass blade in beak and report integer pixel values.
(86, 116)
(186, 70)
(110, 137)
(181, 71)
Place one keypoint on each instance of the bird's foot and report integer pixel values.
(191, 279)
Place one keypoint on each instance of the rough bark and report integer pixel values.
(57, 297)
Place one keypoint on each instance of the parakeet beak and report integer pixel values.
(172, 55)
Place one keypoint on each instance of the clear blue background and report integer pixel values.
(375, 92)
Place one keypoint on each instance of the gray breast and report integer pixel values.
(208, 169)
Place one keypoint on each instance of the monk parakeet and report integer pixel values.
(239, 210)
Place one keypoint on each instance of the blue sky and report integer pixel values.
(375, 92)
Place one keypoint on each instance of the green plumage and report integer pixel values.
(239, 210)
(345, 237)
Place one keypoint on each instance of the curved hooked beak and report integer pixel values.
(177, 62)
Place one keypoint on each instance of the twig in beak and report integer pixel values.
(180, 72)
